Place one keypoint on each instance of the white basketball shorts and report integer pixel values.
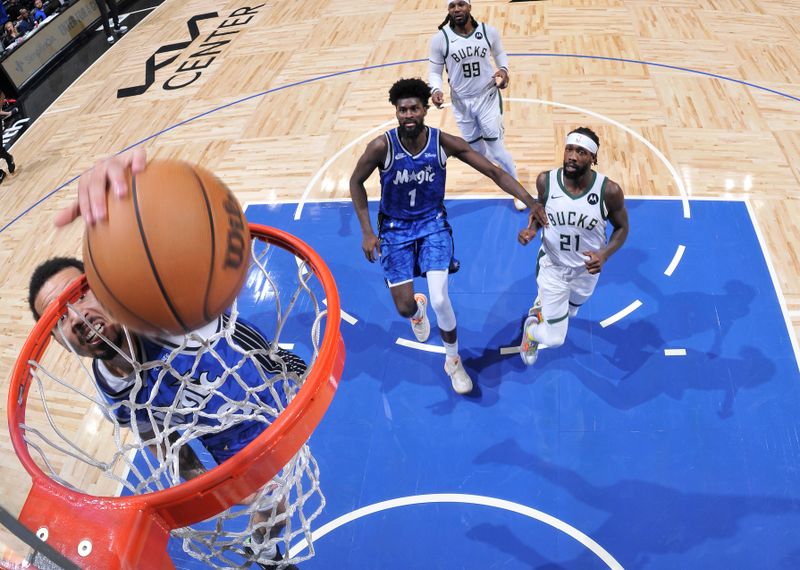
(480, 117)
(560, 286)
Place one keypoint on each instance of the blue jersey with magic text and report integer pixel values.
(169, 401)
(412, 186)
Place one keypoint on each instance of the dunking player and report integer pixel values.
(114, 374)
(414, 235)
(578, 202)
(464, 47)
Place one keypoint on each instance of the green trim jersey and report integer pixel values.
(577, 223)
(468, 59)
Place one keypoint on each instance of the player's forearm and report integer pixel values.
(358, 195)
(618, 237)
(498, 51)
(507, 183)
(435, 79)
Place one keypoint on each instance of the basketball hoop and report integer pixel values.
(110, 532)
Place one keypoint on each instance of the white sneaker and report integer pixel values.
(110, 39)
(529, 349)
(459, 378)
(121, 30)
(421, 326)
(519, 204)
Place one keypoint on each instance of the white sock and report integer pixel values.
(451, 350)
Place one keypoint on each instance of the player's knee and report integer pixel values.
(440, 304)
(445, 317)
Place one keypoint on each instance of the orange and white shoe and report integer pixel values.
(459, 378)
(529, 348)
(421, 326)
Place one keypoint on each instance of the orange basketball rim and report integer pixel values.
(112, 533)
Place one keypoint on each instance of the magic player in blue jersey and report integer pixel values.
(114, 375)
(414, 236)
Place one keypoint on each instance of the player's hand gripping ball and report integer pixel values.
(172, 254)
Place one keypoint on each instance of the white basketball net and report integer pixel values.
(281, 512)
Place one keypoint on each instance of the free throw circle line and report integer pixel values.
(459, 498)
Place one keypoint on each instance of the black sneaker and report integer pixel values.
(2, 175)
(11, 165)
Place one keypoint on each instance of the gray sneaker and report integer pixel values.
(421, 326)
(459, 378)
(528, 348)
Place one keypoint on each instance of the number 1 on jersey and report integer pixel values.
(413, 197)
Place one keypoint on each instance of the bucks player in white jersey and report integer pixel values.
(414, 236)
(466, 47)
(579, 203)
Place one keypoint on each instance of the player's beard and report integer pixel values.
(578, 172)
(413, 132)
(104, 350)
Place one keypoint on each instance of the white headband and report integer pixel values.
(583, 141)
(453, 1)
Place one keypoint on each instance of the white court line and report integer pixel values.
(775, 283)
(676, 177)
(49, 112)
(675, 260)
(795, 314)
(674, 352)
(622, 314)
(420, 346)
(506, 350)
(350, 319)
(479, 500)
(678, 180)
(299, 211)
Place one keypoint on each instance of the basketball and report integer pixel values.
(172, 254)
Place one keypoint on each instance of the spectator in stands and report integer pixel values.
(4, 154)
(118, 30)
(10, 34)
(38, 11)
(12, 9)
(25, 23)
(3, 15)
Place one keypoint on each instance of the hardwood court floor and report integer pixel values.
(697, 98)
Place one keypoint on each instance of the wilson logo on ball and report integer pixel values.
(235, 253)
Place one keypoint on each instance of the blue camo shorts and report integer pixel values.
(410, 248)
